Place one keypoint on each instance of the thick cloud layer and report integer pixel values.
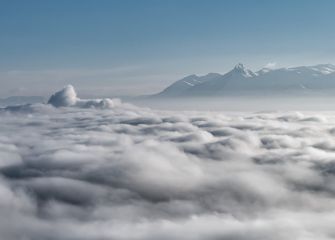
(82, 172)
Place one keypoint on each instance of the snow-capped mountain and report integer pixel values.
(181, 86)
(240, 80)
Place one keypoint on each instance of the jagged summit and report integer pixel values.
(241, 69)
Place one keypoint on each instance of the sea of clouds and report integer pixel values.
(79, 169)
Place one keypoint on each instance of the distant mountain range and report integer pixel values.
(19, 100)
(242, 81)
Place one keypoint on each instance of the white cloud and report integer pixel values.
(67, 97)
(122, 172)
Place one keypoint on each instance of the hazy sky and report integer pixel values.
(134, 47)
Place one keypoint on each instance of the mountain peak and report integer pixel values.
(239, 68)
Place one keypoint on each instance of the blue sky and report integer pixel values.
(132, 47)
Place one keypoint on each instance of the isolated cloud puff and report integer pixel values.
(67, 97)
(77, 171)
(64, 98)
